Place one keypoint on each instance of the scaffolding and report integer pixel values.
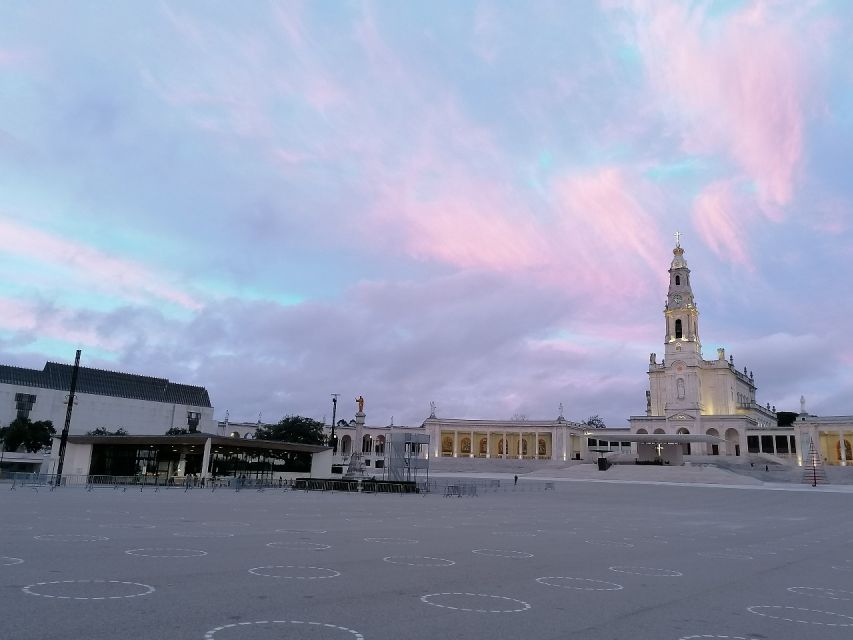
(406, 460)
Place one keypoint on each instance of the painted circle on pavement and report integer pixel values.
(203, 534)
(419, 561)
(802, 616)
(298, 545)
(161, 552)
(475, 602)
(69, 537)
(579, 584)
(292, 572)
(713, 636)
(842, 567)
(301, 531)
(320, 626)
(611, 543)
(723, 555)
(97, 589)
(127, 525)
(392, 540)
(650, 572)
(8, 561)
(503, 553)
(822, 592)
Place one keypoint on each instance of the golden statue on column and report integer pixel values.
(360, 401)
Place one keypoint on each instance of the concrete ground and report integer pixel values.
(593, 560)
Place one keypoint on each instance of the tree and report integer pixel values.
(177, 431)
(594, 422)
(103, 431)
(297, 429)
(33, 436)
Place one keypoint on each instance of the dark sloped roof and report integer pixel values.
(106, 383)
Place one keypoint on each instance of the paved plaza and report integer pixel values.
(585, 560)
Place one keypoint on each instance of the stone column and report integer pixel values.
(455, 443)
(536, 445)
(472, 453)
(842, 451)
(488, 444)
(505, 450)
(356, 459)
(205, 459)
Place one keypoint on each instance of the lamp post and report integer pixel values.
(332, 439)
(64, 439)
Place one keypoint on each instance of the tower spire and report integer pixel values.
(681, 314)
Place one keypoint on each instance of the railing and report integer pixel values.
(91, 482)
(473, 487)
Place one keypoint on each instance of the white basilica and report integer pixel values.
(708, 407)
(690, 395)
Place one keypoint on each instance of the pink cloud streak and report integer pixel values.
(738, 84)
(718, 225)
(101, 271)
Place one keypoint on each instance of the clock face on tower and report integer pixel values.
(677, 298)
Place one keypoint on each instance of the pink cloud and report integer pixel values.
(51, 323)
(738, 84)
(464, 222)
(9, 58)
(100, 270)
(718, 224)
(607, 230)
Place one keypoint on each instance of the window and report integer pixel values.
(678, 328)
(193, 418)
(677, 279)
(24, 404)
(380, 464)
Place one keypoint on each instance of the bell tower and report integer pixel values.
(681, 315)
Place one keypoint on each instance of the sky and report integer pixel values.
(471, 203)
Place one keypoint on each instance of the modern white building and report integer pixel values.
(141, 405)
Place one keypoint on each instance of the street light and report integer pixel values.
(332, 439)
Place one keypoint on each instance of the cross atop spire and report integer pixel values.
(678, 238)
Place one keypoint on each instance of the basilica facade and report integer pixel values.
(691, 396)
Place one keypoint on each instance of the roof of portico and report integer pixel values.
(192, 439)
(669, 438)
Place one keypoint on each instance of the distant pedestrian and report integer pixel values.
(767, 467)
(515, 480)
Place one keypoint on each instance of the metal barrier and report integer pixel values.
(474, 487)
(35, 480)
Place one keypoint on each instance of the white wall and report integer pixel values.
(137, 417)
